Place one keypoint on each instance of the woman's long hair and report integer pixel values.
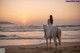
(51, 19)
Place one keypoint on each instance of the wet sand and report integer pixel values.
(66, 47)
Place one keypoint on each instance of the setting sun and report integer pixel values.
(24, 21)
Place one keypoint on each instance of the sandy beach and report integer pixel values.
(66, 47)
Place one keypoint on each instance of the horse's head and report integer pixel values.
(44, 29)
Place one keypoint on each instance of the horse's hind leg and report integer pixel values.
(59, 39)
(55, 42)
(47, 42)
(50, 43)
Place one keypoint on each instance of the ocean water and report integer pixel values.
(21, 35)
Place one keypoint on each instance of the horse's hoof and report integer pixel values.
(50, 47)
(47, 48)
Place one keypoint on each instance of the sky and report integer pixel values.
(36, 12)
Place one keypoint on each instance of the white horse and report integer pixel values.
(52, 32)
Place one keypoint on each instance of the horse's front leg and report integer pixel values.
(50, 43)
(55, 42)
(47, 42)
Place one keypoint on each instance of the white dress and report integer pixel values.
(51, 31)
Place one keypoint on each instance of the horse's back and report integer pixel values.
(56, 32)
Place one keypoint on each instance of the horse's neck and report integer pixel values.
(51, 27)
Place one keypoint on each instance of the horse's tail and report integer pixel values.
(59, 32)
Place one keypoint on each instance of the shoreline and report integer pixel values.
(62, 44)
(66, 47)
(14, 42)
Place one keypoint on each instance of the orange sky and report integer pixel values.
(36, 12)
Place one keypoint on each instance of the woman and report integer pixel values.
(50, 25)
